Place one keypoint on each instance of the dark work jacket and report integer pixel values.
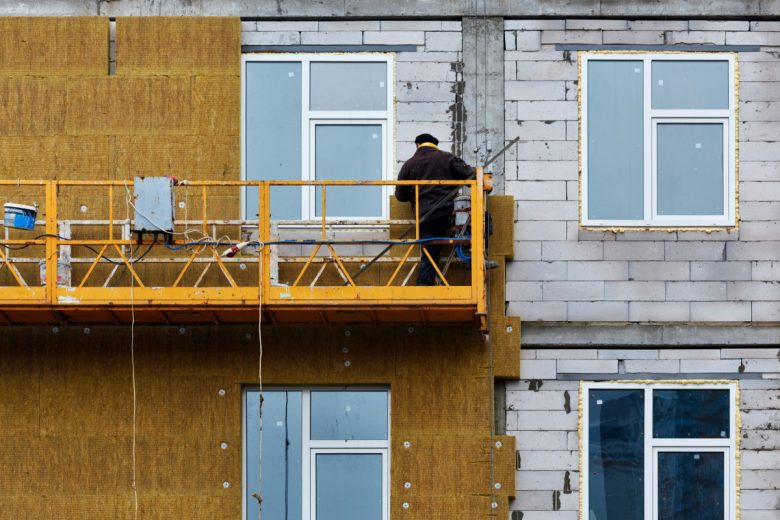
(432, 164)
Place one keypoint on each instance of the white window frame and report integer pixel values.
(310, 448)
(308, 116)
(652, 446)
(312, 494)
(650, 118)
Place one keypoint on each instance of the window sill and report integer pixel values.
(623, 228)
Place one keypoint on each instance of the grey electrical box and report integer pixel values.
(153, 202)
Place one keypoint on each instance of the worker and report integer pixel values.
(429, 163)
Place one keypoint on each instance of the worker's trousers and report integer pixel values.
(436, 227)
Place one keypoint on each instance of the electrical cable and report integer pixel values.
(314, 242)
(132, 364)
(258, 496)
(431, 210)
(87, 246)
(185, 233)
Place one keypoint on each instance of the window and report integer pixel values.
(324, 454)
(658, 140)
(659, 452)
(318, 117)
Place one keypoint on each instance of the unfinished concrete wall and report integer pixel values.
(562, 273)
(363, 8)
(542, 413)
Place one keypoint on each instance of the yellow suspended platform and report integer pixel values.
(82, 264)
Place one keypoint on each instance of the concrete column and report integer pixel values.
(483, 93)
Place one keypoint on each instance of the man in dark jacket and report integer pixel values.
(431, 164)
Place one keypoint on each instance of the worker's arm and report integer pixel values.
(403, 193)
(459, 169)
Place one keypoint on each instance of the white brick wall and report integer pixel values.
(647, 276)
(542, 414)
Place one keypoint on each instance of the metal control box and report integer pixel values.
(153, 204)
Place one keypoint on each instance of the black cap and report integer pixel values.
(425, 138)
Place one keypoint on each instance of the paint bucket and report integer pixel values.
(19, 216)
(462, 210)
(63, 273)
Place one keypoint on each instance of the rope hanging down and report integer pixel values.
(132, 366)
(258, 494)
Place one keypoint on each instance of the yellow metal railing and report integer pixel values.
(87, 255)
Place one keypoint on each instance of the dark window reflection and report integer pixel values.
(690, 485)
(690, 414)
(616, 454)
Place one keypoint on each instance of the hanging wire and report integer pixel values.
(259, 495)
(132, 363)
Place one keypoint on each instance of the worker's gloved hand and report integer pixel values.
(487, 182)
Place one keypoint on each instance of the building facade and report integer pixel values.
(643, 261)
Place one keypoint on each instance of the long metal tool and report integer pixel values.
(462, 231)
(501, 152)
(436, 206)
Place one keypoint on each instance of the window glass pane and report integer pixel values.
(616, 454)
(281, 489)
(349, 152)
(690, 84)
(690, 485)
(690, 169)
(615, 140)
(348, 86)
(349, 487)
(273, 134)
(683, 414)
(349, 415)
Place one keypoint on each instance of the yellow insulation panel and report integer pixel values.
(496, 281)
(157, 455)
(55, 157)
(443, 507)
(186, 157)
(504, 473)
(177, 45)
(32, 106)
(126, 106)
(150, 507)
(502, 241)
(53, 46)
(69, 415)
(19, 412)
(216, 105)
(471, 476)
(505, 340)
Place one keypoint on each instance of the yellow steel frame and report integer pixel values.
(295, 296)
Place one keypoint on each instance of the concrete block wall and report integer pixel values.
(561, 273)
(429, 80)
(542, 413)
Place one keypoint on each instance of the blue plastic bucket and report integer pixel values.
(19, 216)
